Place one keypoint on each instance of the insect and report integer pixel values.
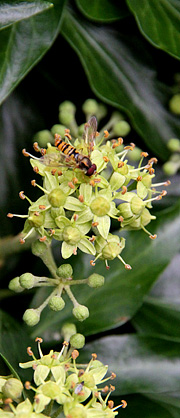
(70, 156)
(78, 388)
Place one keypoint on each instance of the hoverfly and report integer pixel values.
(70, 156)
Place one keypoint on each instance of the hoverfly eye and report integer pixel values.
(91, 170)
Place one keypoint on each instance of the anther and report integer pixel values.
(75, 180)
(106, 134)
(75, 217)
(163, 193)
(92, 183)
(124, 404)
(128, 267)
(94, 356)
(75, 354)
(110, 404)
(120, 164)
(105, 389)
(120, 219)
(39, 340)
(25, 153)
(151, 171)
(10, 215)
(53, 172)
(139, 178)
(22, 196)
(144, 154)
(75, 251)
(153, 160)
(42, 207)
(33, 183)
(71, 185)
(92, 263)
(67, 135)
(29, 351)
(36, 169)
(124, 189)
(113, 376)
(106, 159)
(153, 236)
(22, 241)
(59, 173)
(95, 224)
(92, 239)
(81, 198)
(42, 239)
(36, 147)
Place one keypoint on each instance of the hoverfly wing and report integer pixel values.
(78, 388)
(90, 130)
(56, 159)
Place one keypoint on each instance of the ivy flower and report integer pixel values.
(97, 207)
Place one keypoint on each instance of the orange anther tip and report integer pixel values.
(128, 267)
(153, 236)
(10, 215)
(124, 404)
(22, 241)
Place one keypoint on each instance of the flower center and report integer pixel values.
(71, 235)
(100, 206)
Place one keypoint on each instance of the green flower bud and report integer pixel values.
(42, 137)
(56, 303)
(57, 198)
(51, 389)
(174, 104)
(71, 235)
(12, 389)
(77, 341)
(81, 312)
(135, 154)
(121, 128)
(174, 144)
(38, 248)
(27, 280)
(111, 251)
(77, 412)
(81, 130)
(31, 317)
(36, 220)
(68, 330)
(64, 271)
(95, 280)
(58, 129)
(65, 117)
(170, 168)
(90, 107)
(100, 206)
(15, 285)
(67, 106)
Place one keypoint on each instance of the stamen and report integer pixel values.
(27, 154)
(39, 341)
(11, 215)
(123, 405)
(127, 266)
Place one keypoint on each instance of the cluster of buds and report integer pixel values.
(77, 208)
(63, 385)
(61, 282)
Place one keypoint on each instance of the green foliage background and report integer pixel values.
(124, 54)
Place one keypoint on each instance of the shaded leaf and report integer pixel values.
(142, 364)
(159, 23)
(11, 333)
(122, 74)
(103, 10)
(25, 42)
(160, 312)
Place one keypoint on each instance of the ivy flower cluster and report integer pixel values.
(61, 385)
(88, 182)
